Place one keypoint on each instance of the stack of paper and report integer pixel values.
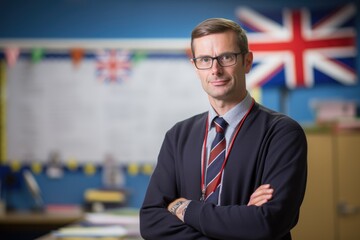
(129, 219)
(113, 232)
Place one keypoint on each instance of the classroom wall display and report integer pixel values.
(118, 104)
(301, 47)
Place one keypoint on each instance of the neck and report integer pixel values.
(222, 106)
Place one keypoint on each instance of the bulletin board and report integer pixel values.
(55, 106)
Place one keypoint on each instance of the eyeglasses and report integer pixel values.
(224, 60)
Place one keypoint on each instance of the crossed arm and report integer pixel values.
(261, 196)
(283, 165)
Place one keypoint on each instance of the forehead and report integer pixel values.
(215, 44)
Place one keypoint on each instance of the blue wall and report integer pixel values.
(112, 19)
(122, 19)
(68, 189)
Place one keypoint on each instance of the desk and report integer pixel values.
(52, 237)
(29, 225)
(126, 219)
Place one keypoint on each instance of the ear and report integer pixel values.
(193, 63)
(248, 61)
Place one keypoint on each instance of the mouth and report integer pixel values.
(218, 82)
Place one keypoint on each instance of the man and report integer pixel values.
(257, 189)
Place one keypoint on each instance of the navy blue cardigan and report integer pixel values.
(270, 148)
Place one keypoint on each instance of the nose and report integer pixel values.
(216, 68)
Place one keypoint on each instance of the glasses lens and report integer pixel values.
(226, 60)
(203, 62)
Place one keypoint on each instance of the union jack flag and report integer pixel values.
(113, 65)
(301, 48)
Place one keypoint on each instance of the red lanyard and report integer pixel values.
(203, 162)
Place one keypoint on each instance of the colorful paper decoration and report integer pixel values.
(133, 169)
(77, 54)
(139, 56)
(11, 55)
(36, 167)
(89, 169)
(15, 165)
(37, 55)
(147, 169)
(72, 164)
(113, 65)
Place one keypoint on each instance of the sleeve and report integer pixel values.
(285, 168)
(156, 222)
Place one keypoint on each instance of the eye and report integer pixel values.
(204, 59)
(226, 57)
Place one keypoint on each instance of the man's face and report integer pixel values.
(222, 83)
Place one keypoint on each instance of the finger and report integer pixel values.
(261, 194)
(261, 191)
(258, 201)
(263, 187)
(258, 204)
(261, 197)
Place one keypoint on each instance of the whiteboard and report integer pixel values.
(53, 105)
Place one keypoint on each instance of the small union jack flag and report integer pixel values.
(113, 65)
(301, 48)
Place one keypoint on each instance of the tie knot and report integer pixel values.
(220, 124)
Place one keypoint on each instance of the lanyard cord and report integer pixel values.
(203, 162)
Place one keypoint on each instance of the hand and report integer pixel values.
(180, 210)
(174, 202)
(261, 195)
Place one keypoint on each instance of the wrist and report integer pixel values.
(175, 207)
(181, 210)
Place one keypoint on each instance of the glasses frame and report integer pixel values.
(217, 59)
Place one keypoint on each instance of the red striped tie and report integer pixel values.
(216, 159)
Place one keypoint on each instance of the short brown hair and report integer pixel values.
(220, 25)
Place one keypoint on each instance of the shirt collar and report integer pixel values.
(234, 115)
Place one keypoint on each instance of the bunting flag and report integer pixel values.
(72, 164)
(113, 65)
(91, 108)
(77, 55)
(138, 57)
(15, 165)
(133, 169)
(301, 48)
(11, 55)
(89, 169)
(36, 167)
(37, 55)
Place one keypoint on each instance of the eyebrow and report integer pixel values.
(216, 55)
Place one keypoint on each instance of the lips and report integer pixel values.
(218, 82)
